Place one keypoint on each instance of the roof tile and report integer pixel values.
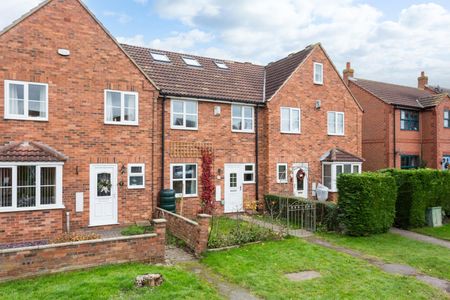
(30, 152)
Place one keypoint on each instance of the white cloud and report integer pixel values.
(122, 18)
(12, 10)
(264, 30)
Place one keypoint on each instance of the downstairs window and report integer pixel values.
(331, 171)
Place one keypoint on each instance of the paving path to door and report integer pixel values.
(177, 256)
(421, 237)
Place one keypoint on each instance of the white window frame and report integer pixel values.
(184, 179)
(336, 113)
(122, 108)
(242, 118)
(253, 172)
(334, 165)
(8, 115)
(142, 174)
(58, 180)
(192, 62)
(316, 64)
(221, 64)
(291, 110)
(278, 173)
(183, 127)
(161, 57)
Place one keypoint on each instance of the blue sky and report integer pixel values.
(385, 40)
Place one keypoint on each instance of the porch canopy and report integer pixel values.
(30, 152)
(338, 155)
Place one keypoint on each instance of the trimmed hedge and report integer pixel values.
(366, 203)
(417, 191)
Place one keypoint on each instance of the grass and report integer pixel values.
(261, 269)
(137, 230)
(229, 232)
(392, 248)
(109, 282)
(437, 232)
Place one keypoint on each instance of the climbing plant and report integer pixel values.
(207, 197)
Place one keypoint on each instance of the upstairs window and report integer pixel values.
(447, 119)
(136, 176)
(409, 120)
(26, 100)
(242, 118)
(409, 161)
(318, 73)
(121, 108)
(335, 123)
(160, 57)
(191, 62)
(290, 120)
(184, 114)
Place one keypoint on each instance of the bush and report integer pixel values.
(366, 203)
(417, 191)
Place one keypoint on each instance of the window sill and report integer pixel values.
(178, 196)
(183, 128)
(282, 182)
(121, 124)
(250, 182)
(136, 187)
(318, 83)
(335, 134)
(18, 210)
(286, 132)
(242, 131)
(20, 118)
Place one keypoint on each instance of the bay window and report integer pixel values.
(183, 179)
(121, 108)
(30, 187)
(26, 100)
(331, 171)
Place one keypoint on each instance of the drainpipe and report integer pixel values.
(68, 221)
(163, 140)
(395, 139)
(256, 156)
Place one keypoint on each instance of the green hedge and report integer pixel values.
(326, 211)
(366, 203)
(417, 191)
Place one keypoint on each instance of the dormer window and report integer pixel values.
(221, 65)
(191, 62)
(160, 57)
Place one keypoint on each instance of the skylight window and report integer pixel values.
(160, 57)
(221, 65)
(191, 62)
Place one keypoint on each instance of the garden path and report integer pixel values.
(421, 237)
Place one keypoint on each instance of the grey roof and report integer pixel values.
(30, 152)
(339, 155)
(438, 89)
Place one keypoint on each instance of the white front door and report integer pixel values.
(300, 180)
(103, 195)
(234, 194)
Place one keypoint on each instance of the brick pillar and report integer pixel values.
(160, 230)
(203, 221)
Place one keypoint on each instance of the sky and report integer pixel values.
(386, 40)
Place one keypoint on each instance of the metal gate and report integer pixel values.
(301, 215)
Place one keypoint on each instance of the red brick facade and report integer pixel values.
(75, 125)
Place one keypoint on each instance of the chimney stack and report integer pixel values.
(348, 73)
(422, 81)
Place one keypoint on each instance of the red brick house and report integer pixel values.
(403, 127)
(91, 134)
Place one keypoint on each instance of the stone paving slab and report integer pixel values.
(302, 276)
(421, 237)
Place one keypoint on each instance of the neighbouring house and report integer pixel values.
(403, 127)
(93, 130)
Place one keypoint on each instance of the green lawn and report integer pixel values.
(110, 282)
(261, 269)
(437, 232)
(392, 248)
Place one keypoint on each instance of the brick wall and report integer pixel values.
(39, 260)
(75, 125)
(193, 233)
(314, 141)
(28, 226)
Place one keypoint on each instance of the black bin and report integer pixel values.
(168, 200)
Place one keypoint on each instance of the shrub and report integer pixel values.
(417, 191)
(366, 203)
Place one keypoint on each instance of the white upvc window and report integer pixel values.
(318, 73)
(25, 187)
(249, 173)
(336, 123)
(242, 118)
(282, 173)
(184, 114)
(183, 179)
(121, 108)
(290, 120)
(332, 170)
(26, 100)
(136, 176)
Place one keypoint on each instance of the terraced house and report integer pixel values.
(92, 130)
(403, 127)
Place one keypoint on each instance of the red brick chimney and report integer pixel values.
(422, 81)
(348, 73)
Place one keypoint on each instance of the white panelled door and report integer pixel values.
(300, 172)
(234, 191)
(103, 195)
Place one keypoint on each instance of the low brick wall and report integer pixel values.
(29, 226)
(194, 234)
(38, 260)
